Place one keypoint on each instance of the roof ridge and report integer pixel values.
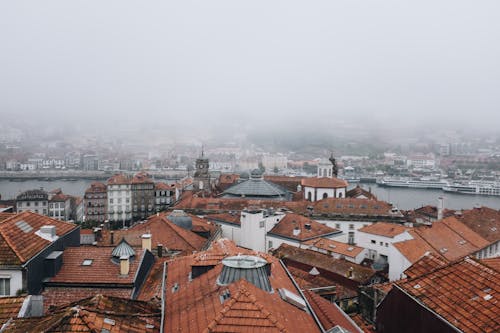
(171, 224)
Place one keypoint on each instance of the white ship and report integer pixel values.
(474, 187)
(412, 182)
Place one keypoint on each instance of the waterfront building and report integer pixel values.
(143, 196)
(36, 201)
(90, 162)
(59, 205)
(95, 203)
(164, 196)
(119, 193)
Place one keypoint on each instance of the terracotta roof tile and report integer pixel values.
(97, 314)
(324, 182)
(10, 307)
(307, 228)
(428, 262)
(335, 247)
(102, 269)
(164, 187)
(384, 229)
(119, 179)
(233, 218)
(195, 304)
(465, 293)
(96, 187)
(484, 221)
(358, 192)
(492, 262)
(329, 314)
(19, 242)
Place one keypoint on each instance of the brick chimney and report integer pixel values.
(124, 265)
(146, 242)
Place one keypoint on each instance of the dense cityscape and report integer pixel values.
(248, 166)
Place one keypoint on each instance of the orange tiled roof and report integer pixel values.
(195, 306)
(324, 182)
(335, 247)
(384, 229)
(59, 197)
(358, 192)
(291, 222)
(96, 187)
(484, 221)
(59, 296)
(330, 315)
(162, 231)
(233, 218)
(97, 314)
(492, 262)
(164, 187)
(4, 216)
(447, 238)
(428, 262)
(119, 179)
(464, 293)
(18, 246)
(341, 267)
(151, 289)
(101, 271)
(141, 178)
(10, 307)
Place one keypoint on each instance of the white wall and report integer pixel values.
(253, 231)
(232, 232)
(16, 280)
(346, 227)
(397, 264)
(317, 193)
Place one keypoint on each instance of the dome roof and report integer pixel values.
(256, 174)
(181, 219)
(251, 268)
(123, 249)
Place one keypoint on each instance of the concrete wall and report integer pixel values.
(16, 280)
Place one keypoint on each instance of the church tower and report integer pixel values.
(327, 168)
(201, 174)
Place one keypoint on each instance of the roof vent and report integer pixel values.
(109, 321)
(314, 271)
(225, 295)
(251, 268)
(350, 248)
(487, 297)
(122, 249)
(443, 250)
(292, 298)
(47, 232)
(332, 246)
(307, 226)
(24, 226)
(417, 286)
(296, 231)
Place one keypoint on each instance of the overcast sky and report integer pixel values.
(269, 63)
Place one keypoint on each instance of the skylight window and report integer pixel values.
(24, 226)
(87, 262)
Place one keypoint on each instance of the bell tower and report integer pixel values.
(201, 174)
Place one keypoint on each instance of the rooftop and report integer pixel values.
(484, 221)
(464, 293)
(300, 228)
(10, 307)
(324, 182)
(384, 229)
(20, 240)
(335, 247)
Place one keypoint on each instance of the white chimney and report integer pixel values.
(146, 242)
(124, 265)
(47, 232)
(440, 208)
(296, 231)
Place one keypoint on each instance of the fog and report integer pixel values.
(232, 65)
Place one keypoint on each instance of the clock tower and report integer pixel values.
(201, 174)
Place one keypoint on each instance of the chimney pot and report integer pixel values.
(124, 265)
(146, 242)
(159, 250)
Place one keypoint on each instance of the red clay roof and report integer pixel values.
(195, 306)
(97, 314)
(464, 293)
(324, 182)
(359, 192)
(291, 222)
(329, 314)
(59, 296)
(18, 246)
(335, 247)
(96, 187)
(428, 262)
(484, 221)
(10, 307)
(4, 216)
(233, 218)
(141, 178)
(492, 262)
(164, 187)
(119, 179)
(162, 231)
(384, 229)
(447, 238)
(101, 271)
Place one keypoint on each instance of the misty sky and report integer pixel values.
(232, 61)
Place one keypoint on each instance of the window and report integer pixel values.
(381, 243)
(351, 226)
(87, 262)
(270, 245)
(337, 225)
(5, 286)
(373, 241)
(111, 201)
(350, 237)
(386, 245)
(261, 224)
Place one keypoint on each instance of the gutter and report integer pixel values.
(309, 307)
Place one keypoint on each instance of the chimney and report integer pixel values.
(159, 250)
(112, 237)
(124, 265)
(146, 242)
(440, 208)
(308, 226)
(296, 231)
(49, 230)
(349, 272)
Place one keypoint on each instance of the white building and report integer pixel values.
(119, 192)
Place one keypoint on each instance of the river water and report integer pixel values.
(403, 198)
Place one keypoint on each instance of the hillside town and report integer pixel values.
(227, 252)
